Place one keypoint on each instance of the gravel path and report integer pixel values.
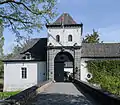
(61, 94)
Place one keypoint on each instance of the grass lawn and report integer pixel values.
(4, 95)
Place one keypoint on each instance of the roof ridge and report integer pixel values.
(65, 19)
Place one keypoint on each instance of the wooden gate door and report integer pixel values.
(59, 71)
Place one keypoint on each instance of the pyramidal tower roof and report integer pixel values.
(64, 20)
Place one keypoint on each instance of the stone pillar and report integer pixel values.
(51, 54)
(77, 64)
(50, 64)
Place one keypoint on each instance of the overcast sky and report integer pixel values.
(102, 15)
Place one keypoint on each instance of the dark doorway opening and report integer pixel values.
(63, 67)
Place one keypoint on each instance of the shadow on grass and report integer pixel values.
(58, 99)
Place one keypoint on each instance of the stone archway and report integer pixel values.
(62, 61)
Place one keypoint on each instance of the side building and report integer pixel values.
(27, 68)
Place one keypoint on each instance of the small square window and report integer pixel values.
(24, 72)
(28, 56)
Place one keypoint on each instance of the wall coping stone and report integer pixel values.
(24, 96)
(102, 96)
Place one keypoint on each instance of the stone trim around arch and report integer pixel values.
(51, 54)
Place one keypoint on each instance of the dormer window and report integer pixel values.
(58, 38)
(27, 56)
(70, 38)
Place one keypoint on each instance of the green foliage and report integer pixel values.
(1, 49)
(4, 95)
(26, 15)
(16, 50)
(106, 73)
(92, 38)
(1, 40)
(1, 69)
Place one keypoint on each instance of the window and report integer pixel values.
(24, 72)
(70, 38)
(28, 56)
(58, 38)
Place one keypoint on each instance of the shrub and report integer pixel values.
(106, 73)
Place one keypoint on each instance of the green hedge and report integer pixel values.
(106, 73)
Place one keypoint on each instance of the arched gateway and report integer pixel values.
(63, 52)
(63, 63)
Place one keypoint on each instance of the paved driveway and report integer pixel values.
(61, 94)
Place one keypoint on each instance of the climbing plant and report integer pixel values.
(106, 73)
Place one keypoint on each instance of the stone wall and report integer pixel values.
(23, 97)
(100, 96)
(51, 54)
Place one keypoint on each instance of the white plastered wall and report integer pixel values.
(64, 33)
(68, 70)
(84, 70)
(13, 76)
(41, 73)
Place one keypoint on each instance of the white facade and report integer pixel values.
(13, 80)
(64, 33)
(84, 70)
(68, 70)
(41, 72)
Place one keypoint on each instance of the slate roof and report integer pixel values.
(30, 44)
(100, 50)
(37, 48)
(66, 20)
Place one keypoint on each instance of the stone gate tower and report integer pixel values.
(64, 35)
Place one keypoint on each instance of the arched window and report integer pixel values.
(70, 38)
(58, 38)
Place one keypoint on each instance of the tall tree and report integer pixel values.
(1, 49)
(26, 15)
(92, 38)
(1, 40)
(16, 50)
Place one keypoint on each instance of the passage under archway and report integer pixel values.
(63, 63)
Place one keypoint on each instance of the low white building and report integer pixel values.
(21, 75)
(47, 58)
(27, 68)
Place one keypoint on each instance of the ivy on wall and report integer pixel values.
(106, 73)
